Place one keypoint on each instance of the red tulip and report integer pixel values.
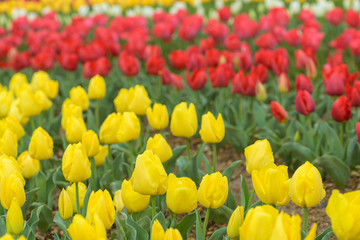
(284, 83)
(101, 66)
(303, 83)
(301, 58)
(178, 59)
(279, 112)
(224, 14)
(177, 81)
(245, 27)
(266, 40)
(196, 61)
(42, 61)
(304, 103)
(163, 31)
(280, 62)
(154, 65)
(165, 75)
(128, 64)
(292, 37)
(341, 109)
(20, 61)
(311, 39)
(306, 15)
(353, 93)
(355, 47)
(352, 18)
(264, 57)
(150, 51)
(280, 16)
(218, 31)
(232, 42)
(197, 79)
(342, 42)
(92, 51)
(336, 78)
(335, 16)
(358, 131)
(245, 85)
(190, 27)
(221, 75)
(206, 44)
(68, 61)
(261, 72)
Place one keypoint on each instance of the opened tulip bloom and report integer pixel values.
(14, 218)
(29, 165)
(133, 201)
(41, 145)
(157, 231)
(160, 147)
(184, 120)
(235, 222)
(75, 163)
(212, 130)
(65, 205)
(100, 204)
(158, 116)
(257, 155)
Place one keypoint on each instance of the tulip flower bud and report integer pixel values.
(16, 81)
(158, 116)
(109, 128)
(341, 109)
(41, 145)
(181, 195)
(284, 83)
(9, 166)
(15, 111)
(297, 136)
(81, 229)
(311, 70)
(129, 128)
(257, 155)
(29, 105)
(172, 234)
(184, 121)
(101, 204)
(271, 184)
(71, 190)
(304, 103)
(118, 202)
(157, 231)
(6, 99)
(264, 216)
(11, 188)
(74, 130)
(149, 176)
(136, 100)
(97, 87)
(43, 101)
(312, 233)
(235, 222)
(29, 166)
(101, 156)
(90, 141)
(260, 92)
(213, 190)
(79, 97)
(212, 130)
(306, 187)
(9, 143)
(133, 201)
(65, 205)
(286, 227)
(303, 83)
(14, 218)
(75, 163)
(69, 109)
(279, 112)
(13, 125)
(160, 147)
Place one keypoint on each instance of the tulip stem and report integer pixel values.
(341, 133)
(32, 124)
(131, 161)
(93, 174)
(214, 157)
(251, 198)
(305, 219)
(310, 126)
(97, 121)
(206, 221)
(77, 198)
(153, 205)
(109, 153)
(188, 148)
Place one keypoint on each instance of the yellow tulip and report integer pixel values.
(11, 187)
(29, 105)
(90, 141)
(271, 184)
(149, 176)
(172, 234)
(260, 92)
(184, 120)
(160, 147)
(100, 230)
(158, 116)
(41, 145)
(75, 163)
(65, 205)
(157, 231)
(101, 156)
(43, 101)
(312, 234)
(29, 166)
(9, 166)
(129, 128)
(212, 130)
(69, 109)
(235, 222)
(133, 201)
(118, 202)
(306, 187)
(136, 100)
(213, 190)
(97, 87)
(14, 218)
(6, 100)
(80, 229)
(16, 82)
(100, 204)
(109, 128)
(287, 227)
(7, 236)
(38, 80)
(259, 223)
(257, 155)
(8, 143)
(121, 101)
(344, 213)
(75, 128)
(51, 88)
(13, 125)
(181, 195)
(16, 112)
(79, 97)
(71, 190)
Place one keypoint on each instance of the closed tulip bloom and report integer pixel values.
(133, 201)
(16, 82)
(9, 143)
(51, 88)
(71, 190)
(14, 218)
(75, 163)
(284, 83)
(121, 100)
(129, 128)
(6, 99)
(41, 145)
(158, 116)
(257, 155)
(29, 166)
(13, 125)
(303, 83)
(181, 195)
(38, 80)
(287, 227)
(80, 229)
(235, 222)
(312, 233)
(101, 156)
(304, 103)
(157, 231)
(341, 109)
(69, 109)
(279, 112)
(43, 101)
(172, 234)
(15, 111)
(184, 121)
(271, 184)
(101, 204)
(11, 187)
(149, 176)
(74, 130)
(264, 216)
(97, 88)
(90, 141)
(160, 147)
(65, 205)
(260, 92)
(9, 166)
(306, 187)
(344, 213)
(136, 100)
(79, 97)
(118, 202)
(109, 128)
(8, 236)
(212, 129)
(213, 190)
(29, 105)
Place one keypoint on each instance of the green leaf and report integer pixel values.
(244, 192)
(353, 153)
(140, 232)
(228, 172)
(231, 201)
(169, 165)
(219, 234)
(86, 200)
(259, 114)
(2, 225)
(207, 164)
(221, 214)
(161, 218)
(186, 224)
(335, 145)
(45, 218)
(199, 154)
(29, 197)
(199, 230)
(324, 233)
(336, 168)
(295, 154)
(61, 223)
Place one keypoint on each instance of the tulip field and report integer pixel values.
(174, 119)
